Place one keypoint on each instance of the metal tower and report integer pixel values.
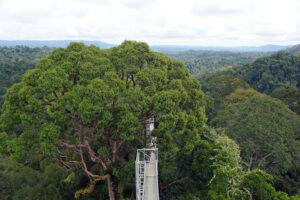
(146, 167)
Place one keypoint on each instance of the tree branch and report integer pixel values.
(92, 153)
(93, 177)
(72, 146)
(174, 182)
(55, 94)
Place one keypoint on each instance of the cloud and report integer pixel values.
(221, 8)
(215, 11)
(189, 22)
(137, 4)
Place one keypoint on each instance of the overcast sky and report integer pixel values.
(184, 22)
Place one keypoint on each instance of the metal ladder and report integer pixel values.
(141, 184)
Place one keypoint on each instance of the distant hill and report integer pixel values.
(33, 55)
(52, 43)
(280, 70)
(295, 50)
(160, 48)
(265, 48)
(204, 61)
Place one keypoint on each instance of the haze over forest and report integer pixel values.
(161, 48)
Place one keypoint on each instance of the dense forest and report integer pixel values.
(279, 70)
(15, 61)
(69, 129)
(277, 75)
(266, 130)
(202, 62)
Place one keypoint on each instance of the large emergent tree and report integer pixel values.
(88, 107)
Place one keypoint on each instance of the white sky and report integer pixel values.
(184, 22)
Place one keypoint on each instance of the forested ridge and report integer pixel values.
(279, 70)
(70, 128)
(201, 62)
(15, 61)
(277, 75)
(23, 53)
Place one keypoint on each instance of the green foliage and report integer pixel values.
(23, 53)
(84, 191)
(98, 101)
(20, 182)
(280, 70)
(217, 173)
(295, 50)
(202, 62)
(220, 93)
(3, 143)
(71, 179)
(259, 185)
(14, 62)
(290, 97)
(212, 169)
(266, 131)
(268, 73)
(222, 86)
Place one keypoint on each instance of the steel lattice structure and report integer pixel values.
(146, 166)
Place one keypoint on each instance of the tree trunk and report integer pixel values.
(110, 189)
(115, 189)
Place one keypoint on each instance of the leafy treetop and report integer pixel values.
(92, 106)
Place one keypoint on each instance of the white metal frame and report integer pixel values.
(145, 157)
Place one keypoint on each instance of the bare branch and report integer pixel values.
(93, 177)
(92, 153)
(70, 146)
(174, 182)
(102, 178)
(90, 175)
